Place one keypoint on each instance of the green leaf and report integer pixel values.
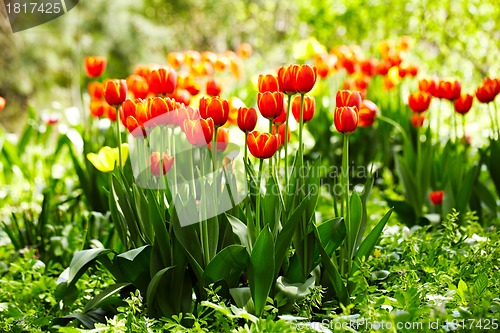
(261, 269)
(227, 265)
(481, 284)
(134, 264)
(332, 272)
(331, 234)
(356, 214)
(368, 244)
(99, 300)
(81, 261)
(153, 286)
(240, 230)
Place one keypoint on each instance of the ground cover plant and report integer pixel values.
(344, 189)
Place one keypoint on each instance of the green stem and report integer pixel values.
(204, 222)
(271, 159)
(438, 121)
(301, 126)
(419, 169)
(246, 150)
(495, 117)
(463, 127)
(395, 124)
(257, 205)
(118, 134)
(286, 140)
(345, 176)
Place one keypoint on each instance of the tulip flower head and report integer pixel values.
(463, 104)
(269, 83)
(262, 145)
(308, 108)
(166, 163)
(346, 119)
(419, 101)
(162, 81)
(107, 158)
(213, 87)
(247, 119)
(436, 197)
(115, 92)
(199, 132)
(215, 108)
(270, 104)
(348, 98)
(94, 66)
(367, 113)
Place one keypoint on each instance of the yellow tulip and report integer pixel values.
(107, 158)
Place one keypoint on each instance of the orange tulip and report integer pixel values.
(95, 90)
(213, 87)
(346, 119)
(369, 67)
(282, 117)
(247, 119)
(186, 113)
(98, 108)
(367, 113)
(463, 104)
(162, 81)
(262, 145)
(167, 162)
(348, 98)
(133, 126)
(115, 92)
(181, 96)
(270, 104)
(199, 132)
(268, 82)
(175, 59)
(308, 108)
(419, 101)
(436, 197)
(162, 110)
(215, 108)
(244, 50)
(95, 66)
(138, 85)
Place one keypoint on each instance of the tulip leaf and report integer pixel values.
(227, 265)
(99, 300)
(81, 261)
(261, 269)
(355, 216)
(240, 230)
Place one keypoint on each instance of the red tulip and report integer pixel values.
(2, 103)
(348, 98)
(428, 85)
(213, 87)
(262, 145)
(162, 81)
(419, 101)
(369, 67)
(308, 108)
(222, 139)
(115, 92)
(436, 197)
(449, 90)
(268, 83)
(463, 103)
(306, 76)
(167, 162)
(281, 133)
(270, 104)
(138, 86)
(287, 77)
(417, 120)
(488, 90)
(199, 132)
(367, 113)
(186, 113)
(282, 117)
(215, 108)
(95, 66)
(181, 96)
(97, 108)
(346, 119)
(133, 126)
(247, 119)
